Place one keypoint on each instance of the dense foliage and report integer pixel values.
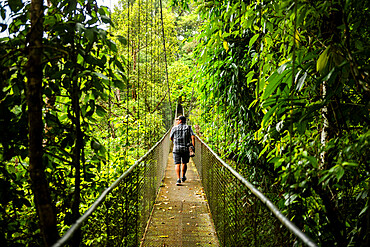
(284, 92)
(279, 88)
(101, 109)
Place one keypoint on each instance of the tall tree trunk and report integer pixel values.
(330, 32)
(324, 130)
(44, 207)
(76, 161)
(77, 148)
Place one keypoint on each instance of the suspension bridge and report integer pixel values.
(216, 206)
(84, 87)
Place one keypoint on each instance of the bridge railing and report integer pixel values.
(119, 216)
(242, 215)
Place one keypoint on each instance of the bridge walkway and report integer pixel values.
(181, 215)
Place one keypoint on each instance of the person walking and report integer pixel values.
(182, 137)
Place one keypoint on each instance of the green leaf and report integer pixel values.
(119, 84)
(90, 35)
(80, 27)
(112, 45)
(274, 81)
(301, 81)
(281, 69)
(100, 111)
(363, 210)
(349, 164)
(119, 65)
(324, 178)
(253, 39)
(100, 75)
(95, 145)
(340, 172)
(122, 39)
(102, 62)
(327, 77)
(3, 27)
(106, 20)
(313, 161)
(290, 198)
(91, 60)
(15, 5)
(269, 114)
(322, 62)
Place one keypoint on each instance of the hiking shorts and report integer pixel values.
(181, 158)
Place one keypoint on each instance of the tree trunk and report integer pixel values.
(76, 161)
(330, 32)
(44, 207)
(78, 147)
(324, 130)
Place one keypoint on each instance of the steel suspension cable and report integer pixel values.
(125, 206)
(109, 107)
(151, 62)
(137, 54)
(158, 71)
(146, 72)
(213, 109)
(165, 60)
(107, 218)
(292, 104)
(128, 78)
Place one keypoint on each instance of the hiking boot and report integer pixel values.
(178, 182)
(183, 179)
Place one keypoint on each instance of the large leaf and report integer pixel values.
(268, 115)
(252, 40)
(322, 62)
(100, 111)
(273, 82)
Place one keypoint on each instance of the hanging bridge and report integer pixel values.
(216, 206)
(80, 95)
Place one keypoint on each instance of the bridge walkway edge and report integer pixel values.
(181, 215)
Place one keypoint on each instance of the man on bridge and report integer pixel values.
(182, 136)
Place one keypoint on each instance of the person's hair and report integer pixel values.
(182, 118)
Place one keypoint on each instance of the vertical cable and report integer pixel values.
(165, 60)
(146, 73)
(128, 78)
(126, 200)
(151, 62)
(291, 99)
(158, 72)
(258, 62)
(109, 132)
(109, 106)
(213, 110)
(218, 113)
(138, 33)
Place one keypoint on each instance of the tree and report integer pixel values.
(85, 136)
(43, 203)
(285, 78)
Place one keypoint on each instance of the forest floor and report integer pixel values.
(181, 214)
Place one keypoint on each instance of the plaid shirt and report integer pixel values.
(181, 136)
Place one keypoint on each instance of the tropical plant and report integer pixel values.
(284, 89)
(70, 122)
